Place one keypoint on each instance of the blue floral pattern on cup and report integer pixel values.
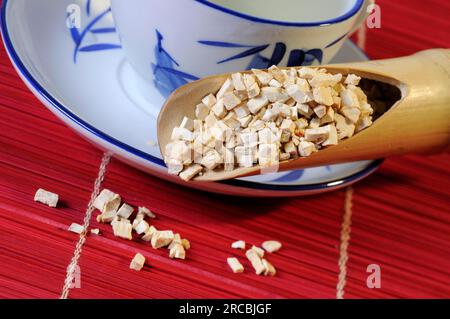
(79, 35)
(167, 77)
(296, 57)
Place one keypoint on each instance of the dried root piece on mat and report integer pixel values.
(177, 251)
(147, 212)
(76, 228)
(269, 269)
(261, 265)
(122, 228)
(271, 246)
(182, 241)
(149, 234)
(258, 251)
(138, 262)
(255, 261)
(95, 231)
(108, 203)
(139, 217)
(240, 244)
(107, 200)
(107, 216)
(235, 265)
(176, 240)
(45, 197)
(186, 243)
(141, 227)
(178, 247)
(125, 211)
(162, 238)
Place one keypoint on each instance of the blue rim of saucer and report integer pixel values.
(355, 9)
(105, 137)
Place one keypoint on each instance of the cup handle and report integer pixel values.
(363, 14)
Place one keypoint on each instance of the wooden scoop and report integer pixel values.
(419, 122)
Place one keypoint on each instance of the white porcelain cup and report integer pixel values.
(172, 42)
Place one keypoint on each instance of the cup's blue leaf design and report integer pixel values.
(258, 62)
(99, 47)
(245, 53)
(225, 44)
(252, 50)
(179, 73)
(261, 62)
(75, 35)
(290, 177)
(336, 41)
(103, 30)
(163, 51)
(277, 55)
(88, 7)
(301, 57)
(78, 35)
(312, 55)
(296, 57)
(166, 77)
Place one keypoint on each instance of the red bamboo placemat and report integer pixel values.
(400, 217)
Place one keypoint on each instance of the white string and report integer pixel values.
(345, 240)
(87, 218)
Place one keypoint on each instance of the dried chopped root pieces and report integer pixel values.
(147, 212)
(265, 117)
(45, 197)
(260, 264)
(107, 200)
(271, 246)
(107, 217)
(256, 257)
(235, 265)
(186, 243)
(240, 244)
(141, 227)
(269, 269)
(258, 251)
(125, 211)
(191, 171)
(138, 262)
(162, 238)
(95, 231)
(175, 241)
(76, 228)
(177, 251)
(255, 261)
(122, 228)
(149, 234)
(108, 203)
